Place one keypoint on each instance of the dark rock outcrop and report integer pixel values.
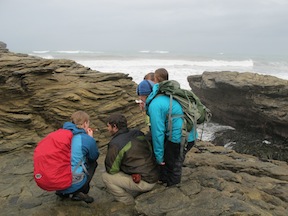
(245, 100)
(3, 47)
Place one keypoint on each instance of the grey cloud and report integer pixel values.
(152, 24)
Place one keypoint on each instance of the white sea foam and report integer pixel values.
(206, 131)
(76, 52)
(144, 51)
(48, 57)
(42, 55)
(230, 145)
(179, 68)
(154, 51)
(221, 63)
(41, 51)
(69, 51)
(161, 51)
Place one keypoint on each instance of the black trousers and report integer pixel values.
(91, 165)
(171, 172)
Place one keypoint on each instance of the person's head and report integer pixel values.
(149, 76)
(116, 122)
(81, 119)
(144, 88)
(160, 75)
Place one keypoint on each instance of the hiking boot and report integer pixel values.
(82, 197)
(62, 196)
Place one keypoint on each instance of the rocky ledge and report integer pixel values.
(215, 181)
(38, 95)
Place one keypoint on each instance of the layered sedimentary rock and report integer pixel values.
(245, 100)
(38, 95)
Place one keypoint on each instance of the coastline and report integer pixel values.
(40, 94)
(243, 141)
(179, 65)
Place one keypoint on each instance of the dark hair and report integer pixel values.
(117, 119)
(149, 76)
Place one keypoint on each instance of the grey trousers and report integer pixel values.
(122, 187)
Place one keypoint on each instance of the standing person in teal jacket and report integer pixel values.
(167, 151)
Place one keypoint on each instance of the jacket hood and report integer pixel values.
(152, 95)
(72, 127)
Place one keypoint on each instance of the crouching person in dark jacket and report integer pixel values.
(130, 164)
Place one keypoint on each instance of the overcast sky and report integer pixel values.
(235, 26)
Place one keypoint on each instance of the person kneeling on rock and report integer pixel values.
(130, 164)
(84, 155)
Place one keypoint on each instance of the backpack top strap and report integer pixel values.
(151, 87)
(184, 139)
(170, 118)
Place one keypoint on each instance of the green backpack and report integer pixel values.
(194, 111)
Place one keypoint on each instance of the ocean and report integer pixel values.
(178, 65)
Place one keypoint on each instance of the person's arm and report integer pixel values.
(157, 121)
(113, 160)
(90, 148)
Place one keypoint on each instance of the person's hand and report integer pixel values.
(136, 178)
(162, 164)
(141, 104)
(90, 132)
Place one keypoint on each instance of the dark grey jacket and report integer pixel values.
(131, 153)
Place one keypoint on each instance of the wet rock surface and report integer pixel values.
(258, 144)
(215, 181)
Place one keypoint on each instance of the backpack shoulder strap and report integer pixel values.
(172, 89)
(170, 118)
(80, 163)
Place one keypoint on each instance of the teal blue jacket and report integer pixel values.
(83, 148)
(157, 107)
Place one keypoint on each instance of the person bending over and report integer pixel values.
(166, 143)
